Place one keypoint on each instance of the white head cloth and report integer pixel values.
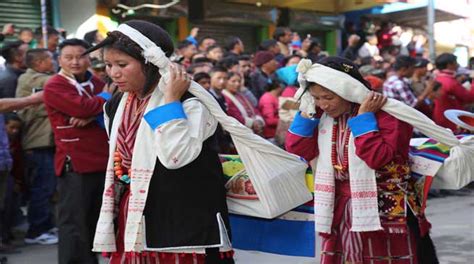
(354, 91)
(151, 52)
(278, 176)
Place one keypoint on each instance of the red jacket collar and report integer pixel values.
(449, 73)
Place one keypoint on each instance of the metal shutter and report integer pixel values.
(22, 13)
(220, 31)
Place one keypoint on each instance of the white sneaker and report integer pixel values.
(53, 231)
(43, 239)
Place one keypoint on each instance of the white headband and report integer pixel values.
(151, 52)
(339, 82)
(354, 91)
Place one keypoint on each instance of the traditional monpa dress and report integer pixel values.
(126, 137)
(382, 142)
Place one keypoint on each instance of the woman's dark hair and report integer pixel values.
(119, 41)
(343, 65)
(444, 59)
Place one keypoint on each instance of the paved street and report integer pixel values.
(453, 232)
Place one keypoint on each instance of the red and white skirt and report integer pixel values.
(380, 247)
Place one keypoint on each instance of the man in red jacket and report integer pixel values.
(453, 95)
(74, 100)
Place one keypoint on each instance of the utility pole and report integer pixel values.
(44, 24)
(430, 27)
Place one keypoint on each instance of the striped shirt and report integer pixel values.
(399, 89)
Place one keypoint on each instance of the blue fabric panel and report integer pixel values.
(284, 237)
(165, 113)
(363, 124)
(100, 117)
(105, 95)
(303, 126)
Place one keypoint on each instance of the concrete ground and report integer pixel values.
(452, 218)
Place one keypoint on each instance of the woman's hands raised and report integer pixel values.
(178, 83)
(372, 103)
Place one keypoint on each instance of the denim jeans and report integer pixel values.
(42, 183)
(4, 174)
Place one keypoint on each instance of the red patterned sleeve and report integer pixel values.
(302, 137)
(391, 142)
(306, 147)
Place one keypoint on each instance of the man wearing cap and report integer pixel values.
(98, 69)
(420, 76)
(266, 67)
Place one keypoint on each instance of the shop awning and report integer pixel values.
(339, 6)
(415, 15)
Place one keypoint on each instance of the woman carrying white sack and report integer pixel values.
(366, 208)
(164, 199)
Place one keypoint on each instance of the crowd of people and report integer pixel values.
(54, 141)
(403, 73)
